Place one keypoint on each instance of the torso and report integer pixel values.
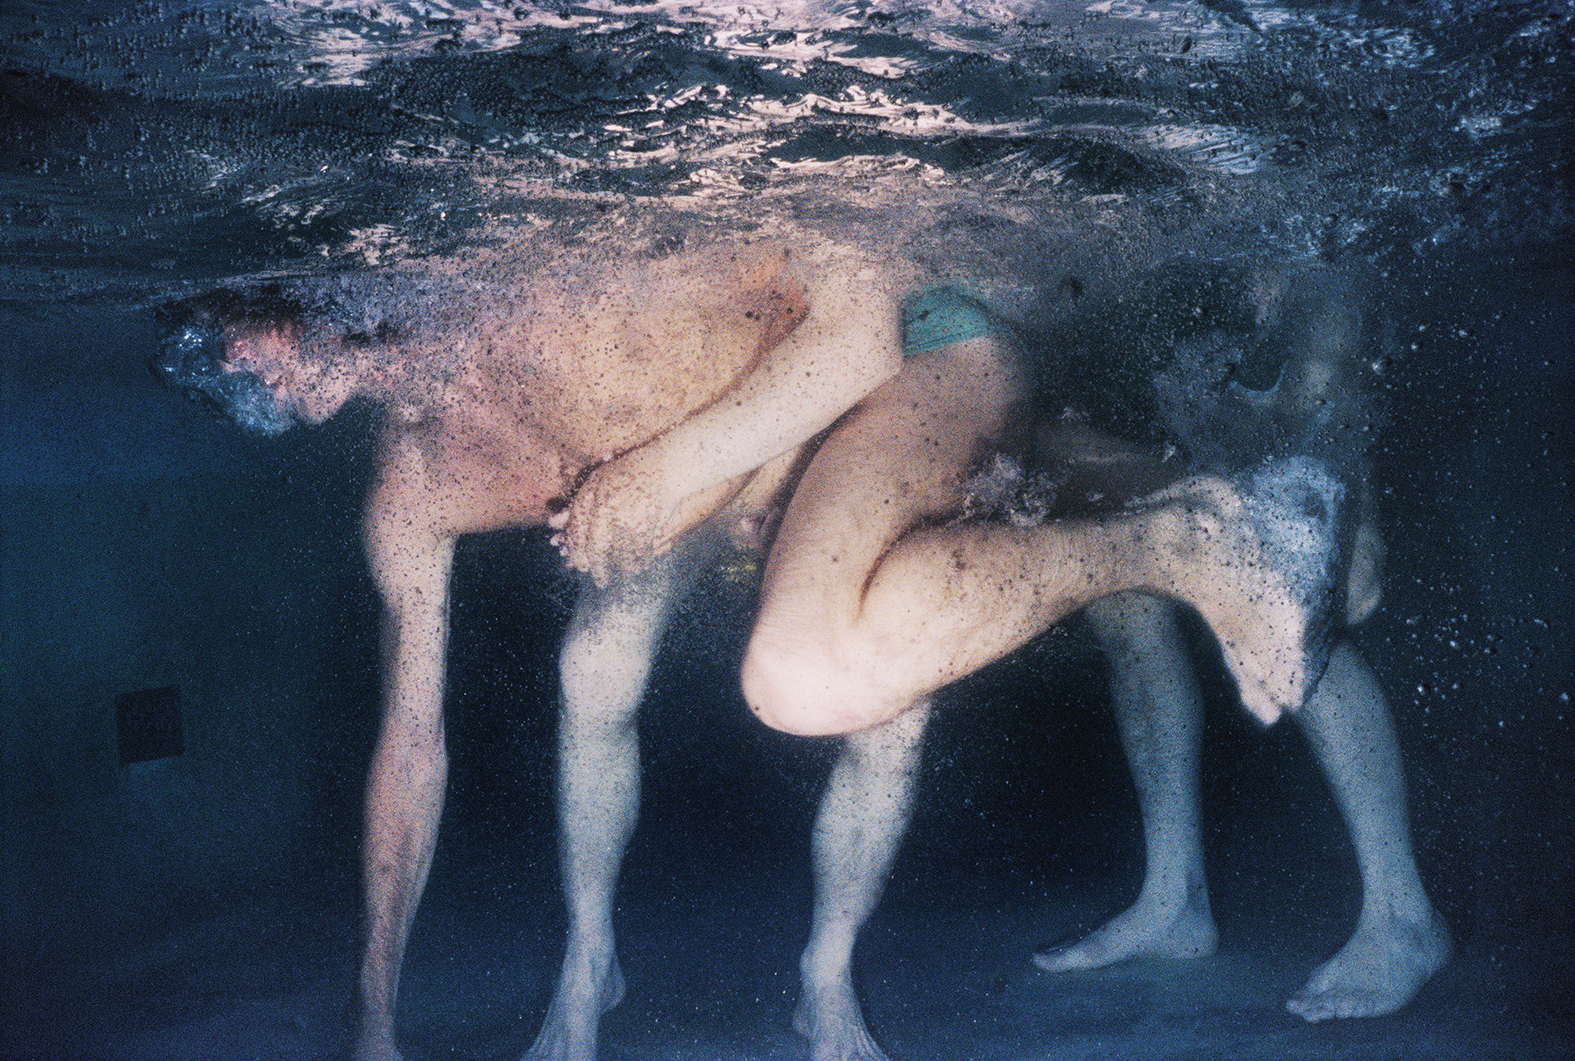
(584, 365)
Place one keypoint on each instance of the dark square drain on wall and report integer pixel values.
(149, 724)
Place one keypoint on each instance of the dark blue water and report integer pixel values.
(202, 906)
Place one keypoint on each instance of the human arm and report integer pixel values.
(632, 507)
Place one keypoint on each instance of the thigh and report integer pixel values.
(900, 460)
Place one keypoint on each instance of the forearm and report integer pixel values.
(794, 391)
(634, 506)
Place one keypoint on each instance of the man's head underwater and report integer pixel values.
(193, 356)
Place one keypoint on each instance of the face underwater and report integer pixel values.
(192, 358)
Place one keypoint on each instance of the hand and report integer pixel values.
(619, 520)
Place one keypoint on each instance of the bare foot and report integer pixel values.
(1261, 556)
(1379, 970)
(378, 1050)
(1145, 930)
(830, 1019)
(569, 1031)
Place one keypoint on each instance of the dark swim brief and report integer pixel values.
(940, 316)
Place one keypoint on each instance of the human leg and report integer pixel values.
(863, 816)
(605, 661)
(404, 801)
(1400, 941)
(1160, 714)
(409, 770)
(898, 461)
(871, 602)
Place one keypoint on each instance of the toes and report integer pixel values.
(1339, 1005)
(1064, 960)
(1307, 1011)
(1314, 1008)
(1066, 955)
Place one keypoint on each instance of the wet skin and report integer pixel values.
(684, 396)
(498, 439)
(1399, 941)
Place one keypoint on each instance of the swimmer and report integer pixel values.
(663, 400)
(879, 591)
(1400, 941)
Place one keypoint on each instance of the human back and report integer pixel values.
(601, 356)
(514, 393)
(541, 376)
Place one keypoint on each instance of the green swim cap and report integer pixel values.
(940, 316)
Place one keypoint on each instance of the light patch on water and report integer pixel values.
(298, 202)
(377, 242)
(796, 50)
(851, 165)
(342, 39)
(760, 114)
(1217, 148)
(337, 42)
(1388, 48)
(1475, 125)
(218, 171)
(1485, 123)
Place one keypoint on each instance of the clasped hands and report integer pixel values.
(622, 517)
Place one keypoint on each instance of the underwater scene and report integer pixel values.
(884, 530)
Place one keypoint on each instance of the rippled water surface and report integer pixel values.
(162, 145)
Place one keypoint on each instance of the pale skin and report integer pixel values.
(863, 815)
(875, 597)
(1400, 941)
(764, 374)
(465, 453)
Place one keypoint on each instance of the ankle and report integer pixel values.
(821, 968)
(1405, 907)
(1175, 891)
(591, 957)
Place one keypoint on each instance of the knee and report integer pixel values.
(773, 690)
(810, 695)
(602, 680)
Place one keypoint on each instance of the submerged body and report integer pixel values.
(629, 404)
(515, 399)
(1400, 941)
